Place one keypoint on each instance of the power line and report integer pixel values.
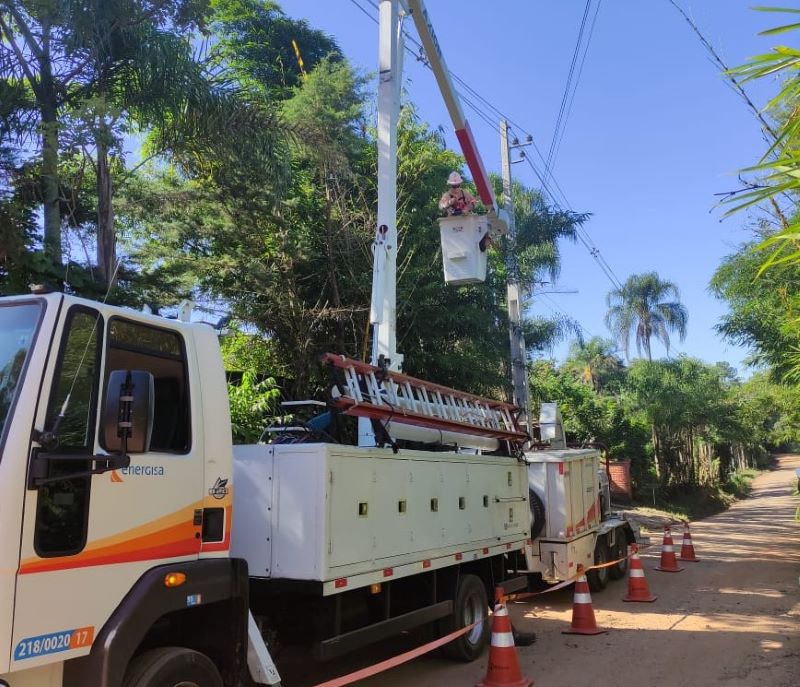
(567, 86)
(365, 10)
(580, 232)
(577, 83)
(555, 307)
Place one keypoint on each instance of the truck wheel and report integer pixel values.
(537, 514)
(469, 606)
(598, 578)
(172, 667)
(620, 550)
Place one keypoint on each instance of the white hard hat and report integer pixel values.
(454, 179)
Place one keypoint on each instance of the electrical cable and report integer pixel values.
(567, 87)
(364, 10)
(557, 309)
(580, 233)
(575, 88)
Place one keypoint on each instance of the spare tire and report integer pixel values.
(537, 514)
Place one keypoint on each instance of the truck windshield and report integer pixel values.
(17, 328)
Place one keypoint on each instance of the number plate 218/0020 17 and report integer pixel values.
(66, 640)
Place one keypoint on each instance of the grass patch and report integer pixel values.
(740, 483)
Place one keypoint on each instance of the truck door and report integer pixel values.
(87, 539)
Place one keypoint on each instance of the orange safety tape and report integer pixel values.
(526, 595)
(396, 660)
(568, 581)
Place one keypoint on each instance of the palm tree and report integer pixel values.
(144, 75)
(594, 362)
(650, 306)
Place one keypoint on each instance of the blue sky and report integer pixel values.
(653, 134)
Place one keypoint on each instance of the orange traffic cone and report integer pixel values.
(687, 548)
(638, 589)
(668, 561)
(503, 669)
(583, 622)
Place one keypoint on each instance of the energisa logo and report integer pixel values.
(220, 489)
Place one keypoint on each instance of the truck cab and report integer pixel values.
(105, 554)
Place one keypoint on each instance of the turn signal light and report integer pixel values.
(375, 589)
(174, 579)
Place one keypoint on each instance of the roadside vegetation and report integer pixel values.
(693, 431)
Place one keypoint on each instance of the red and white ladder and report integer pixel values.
(372, 392)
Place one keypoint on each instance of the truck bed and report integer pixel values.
(347, 517)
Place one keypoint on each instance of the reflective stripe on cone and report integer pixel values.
(638, 589)
(503, 669)
(668, 561)
(687, 548)
(583, 622)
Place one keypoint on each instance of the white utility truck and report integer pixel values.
(138, 549)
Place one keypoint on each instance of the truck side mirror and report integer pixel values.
(128, 411)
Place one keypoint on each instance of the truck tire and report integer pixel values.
(620, 550)
(537, 514)
(470, 604)
(598, 578)
(172, 667)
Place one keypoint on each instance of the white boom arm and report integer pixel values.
(383, 307)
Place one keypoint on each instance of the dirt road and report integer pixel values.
(732, 619)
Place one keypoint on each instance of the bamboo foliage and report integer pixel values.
(778, 172)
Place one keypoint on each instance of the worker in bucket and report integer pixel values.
(456, 201)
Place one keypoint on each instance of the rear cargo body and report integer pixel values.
(346, 517)
(566, 483)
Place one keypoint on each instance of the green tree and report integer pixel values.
(255, 41)
(694, 410)
(17, 226)
(291, 271)
(85, 75)
(604, 419)
(139, 72)
(252, 402)
(763, 310)
(649, 306)
(595, 362)
(38, 59)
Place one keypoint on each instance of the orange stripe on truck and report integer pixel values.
(170, 536)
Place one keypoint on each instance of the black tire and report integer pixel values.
(598, 578)
(620, 550)
(172, 666)
(537, 514)
(470, 604)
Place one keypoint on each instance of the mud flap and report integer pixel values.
(259, 662)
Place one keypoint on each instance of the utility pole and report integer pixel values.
(383, 304)
(519, 357)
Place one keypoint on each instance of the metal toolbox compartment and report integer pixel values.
(323, 511)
